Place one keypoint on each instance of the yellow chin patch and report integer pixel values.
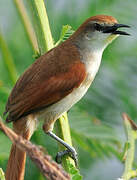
(111, 38)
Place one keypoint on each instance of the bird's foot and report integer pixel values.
(71, 152)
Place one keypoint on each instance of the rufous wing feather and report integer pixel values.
(48, 80)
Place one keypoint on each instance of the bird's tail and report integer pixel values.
(16, 163)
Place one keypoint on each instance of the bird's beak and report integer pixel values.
(113, 29)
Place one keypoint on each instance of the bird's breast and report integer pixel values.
(92, 62)
(57, 109)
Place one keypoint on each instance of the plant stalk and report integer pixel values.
(2, 175)
(41, 25)
(45, 43)
(27, 24)
(131, 130)
(63, 130)
(8, 60)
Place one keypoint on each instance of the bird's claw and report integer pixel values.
(59, 156)
(71, 152)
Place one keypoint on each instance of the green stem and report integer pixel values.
(45, 43)
(41, 25)
(131, 135)
(63, 130)
(2, 176)
(7, 57)
(26, 23)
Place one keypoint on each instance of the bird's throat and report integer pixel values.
(92, 59)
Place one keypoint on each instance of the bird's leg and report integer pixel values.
(69, 151)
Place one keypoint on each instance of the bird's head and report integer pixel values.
(98, 31)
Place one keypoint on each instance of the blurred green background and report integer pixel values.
(96, 122)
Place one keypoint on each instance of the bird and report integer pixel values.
(55, 82)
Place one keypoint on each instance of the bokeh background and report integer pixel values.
(96, 122)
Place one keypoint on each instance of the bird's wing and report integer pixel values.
(46, 82)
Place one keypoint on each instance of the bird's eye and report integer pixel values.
(98, 27)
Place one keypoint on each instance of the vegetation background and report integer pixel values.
(96, 122)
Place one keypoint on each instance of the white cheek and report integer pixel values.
(97, 41)
(99, 36)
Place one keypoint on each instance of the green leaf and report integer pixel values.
(66, 32)
(98, 140)
(73, 171)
